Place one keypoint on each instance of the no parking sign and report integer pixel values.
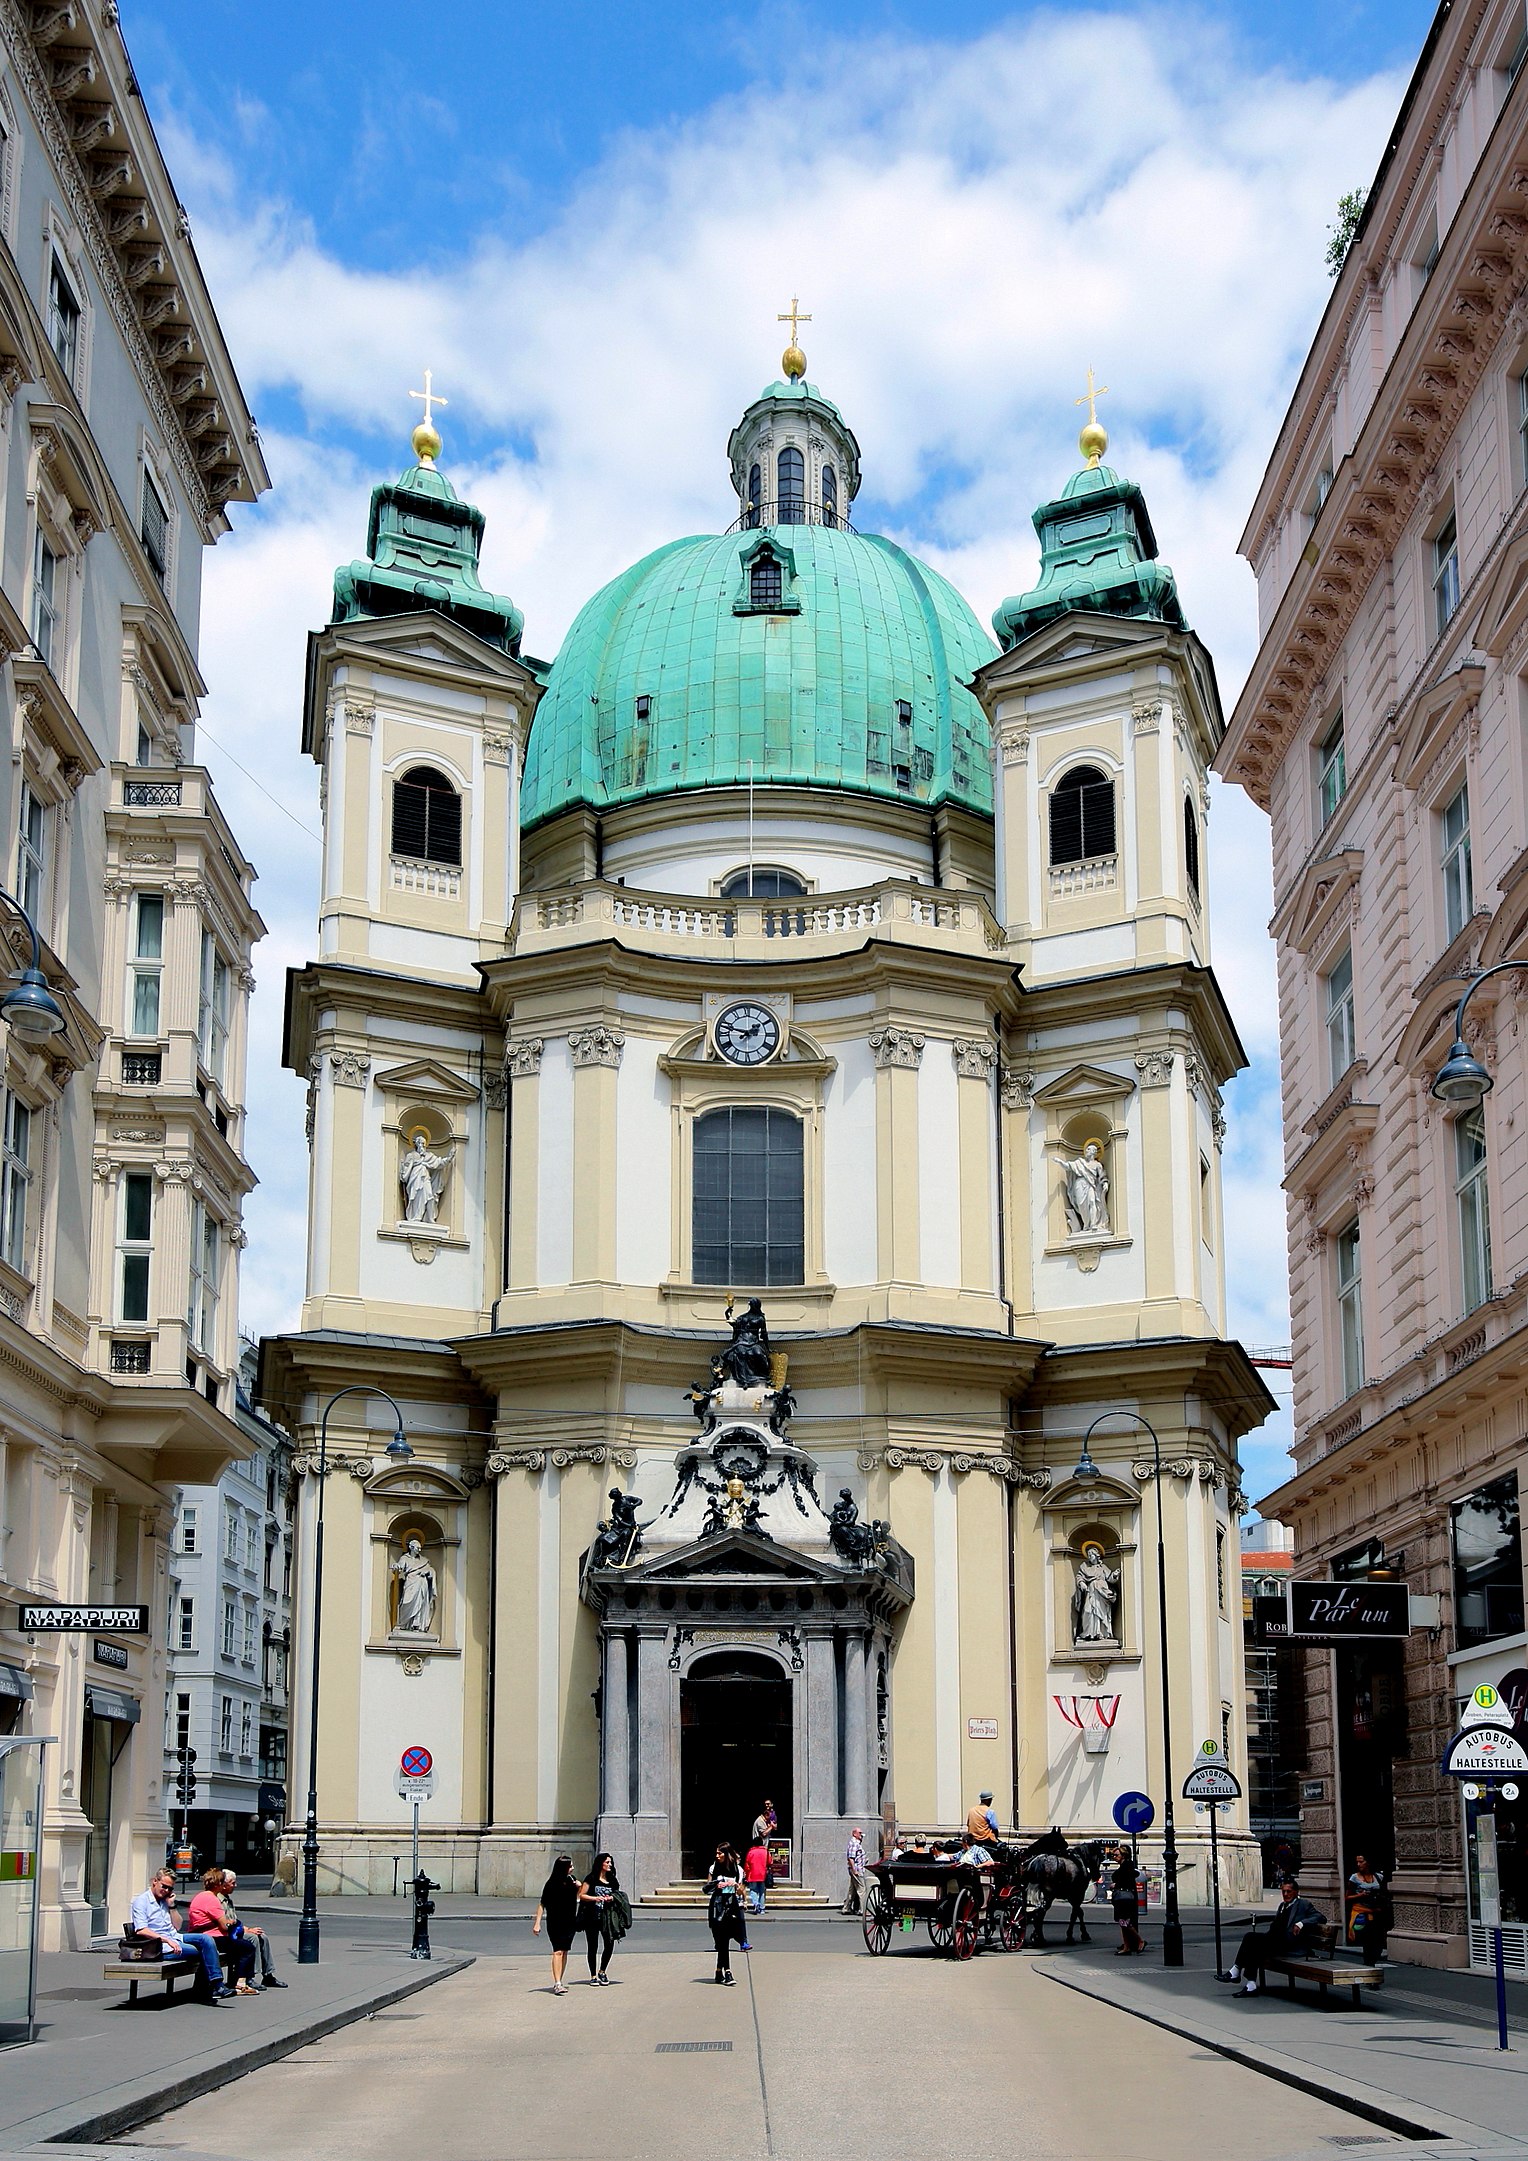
(416, 1774)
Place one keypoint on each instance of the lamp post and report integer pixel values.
(1086, 1474)
(400, 1451)
(1461, 1078)
(31, 1008)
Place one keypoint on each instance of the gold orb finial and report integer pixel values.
(793, 359)
(426, 437)
(1093, 441)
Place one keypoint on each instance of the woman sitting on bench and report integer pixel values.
(1295, 1918)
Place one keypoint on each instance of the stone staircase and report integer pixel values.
(690, 1897)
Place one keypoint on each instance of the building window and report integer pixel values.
(1488, 1563)
(225, 1726)
(1191, 846)
(136, 1247)
(1221, 1586)
(251, 1543)
(755, 496)
(202, 1305)
(766, 586)
(249, 1635)
(1206, 1205)
(182, 1722)
(749, 1208)
(1474, 1207)
(230, 1532)
(762, 885)
(286, 1568)
(1331, 770)
(63, 319)
(273, 1754)
(790, 470)
(32, 854)
(427, 817)
(186, 1631)
(45, 600)
(829, 496)
(1514, 52)
(1350, 1319)
(15, 1181)
(1445, 574)
(188, 1527)
(1458, 879)
(1522, 430)
(212, 1021)
(230, 1627)
(1341, 1041)
(154, 530)
(1081, 815)
(246, 1729)
(147, 964)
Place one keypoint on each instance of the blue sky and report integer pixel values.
(585, 220)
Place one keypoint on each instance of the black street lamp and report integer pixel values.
(399, 1449)
(34, 1013)
(1086, 1474)
(1461, 1078)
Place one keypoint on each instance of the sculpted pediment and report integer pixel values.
(735, 1553)
(1504, 611)
(1437, 726)
(1083, 1084)
(427, 1079)
(1323, 890)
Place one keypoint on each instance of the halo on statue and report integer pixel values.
(419, 1133)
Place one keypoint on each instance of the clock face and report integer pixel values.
(746, 1034)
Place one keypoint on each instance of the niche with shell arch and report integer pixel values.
(1084, 1217)
(429, 1504)
(1104, 1534)
(416, 1543)
(426, 1126)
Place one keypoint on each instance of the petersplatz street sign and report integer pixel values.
(1212, 1778)
(1485, 1745)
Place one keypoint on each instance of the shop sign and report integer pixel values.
(51, 1619)
(110, 1654)
(1346, 1612)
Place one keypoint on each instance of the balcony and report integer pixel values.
(1095, 874)
(895, 912)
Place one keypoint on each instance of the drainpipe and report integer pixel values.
(493, 1638)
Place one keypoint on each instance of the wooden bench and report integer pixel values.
(1320, 1966)
(164, 1970)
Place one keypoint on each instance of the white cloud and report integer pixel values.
(970, 224)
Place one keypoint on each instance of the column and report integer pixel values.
(615, 1729)
(856, 1726)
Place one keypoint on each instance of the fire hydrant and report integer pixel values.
(421, 1886)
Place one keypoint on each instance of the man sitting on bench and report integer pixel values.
(1294, 1918)
(153, 1915)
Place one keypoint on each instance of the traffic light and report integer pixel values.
(185, 1783)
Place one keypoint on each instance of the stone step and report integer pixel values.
(693, 1896)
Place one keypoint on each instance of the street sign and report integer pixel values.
(1212, 1778)
(1485, 1752)
(51, 1619)
(1135, 1813)
(415, 1778)
(1509, 1791)
(416, 1762)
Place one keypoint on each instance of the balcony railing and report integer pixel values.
(788, 510)
(151, 794)
(1097, 874)
(893, 910)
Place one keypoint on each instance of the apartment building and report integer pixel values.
(1384, 728)
(124, 439)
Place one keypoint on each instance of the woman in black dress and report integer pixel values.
(1126, 1896)
(596, 1895)
(558, 1907)
(724, 1910)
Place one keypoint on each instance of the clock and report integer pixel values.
(746, 1034)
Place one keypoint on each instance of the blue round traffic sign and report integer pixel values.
(1135, 1813)
(416, 1763)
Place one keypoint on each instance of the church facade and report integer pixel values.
(765, 1083)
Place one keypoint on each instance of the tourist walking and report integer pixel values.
(558, 1907)
(756, 1874)
(262, 1941)
(724, 1911)
(1125, 1895)
(854, 1861)
(597, 1916)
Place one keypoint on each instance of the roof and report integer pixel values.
(422, 544)
(1097, 552)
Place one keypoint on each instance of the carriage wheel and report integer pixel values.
(940, 1932)
(965, 1926)
(877, 1924)
(1010, 1927)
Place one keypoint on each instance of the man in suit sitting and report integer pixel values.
(1294, 1919)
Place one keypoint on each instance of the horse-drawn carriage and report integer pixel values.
(964, 1906)
(967, 1907)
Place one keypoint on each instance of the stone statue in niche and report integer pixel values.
(1085, 1190)
(1094, 1597)
(414, 1589)
(423, 1176)
(746, 1358)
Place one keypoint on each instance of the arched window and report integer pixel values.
(755, 493)
(1081, 815)
(790, 468)
(749, 1216)
(766, 586)
(1191, 846)
(829, 496)
(762, 885)
(427, 817)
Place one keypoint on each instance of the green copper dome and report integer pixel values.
(422, 544)
(845, 666)
(1097, 552)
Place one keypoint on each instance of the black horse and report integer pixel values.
(1057, 1871)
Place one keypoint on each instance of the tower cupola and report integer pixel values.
(794, 458)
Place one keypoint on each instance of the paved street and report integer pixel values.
(825, 2052)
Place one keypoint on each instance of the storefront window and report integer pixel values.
(1488, 1563)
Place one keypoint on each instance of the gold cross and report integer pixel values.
(1090, 399)
(433, 397)
(795, 319)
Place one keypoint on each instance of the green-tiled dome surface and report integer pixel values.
(806, 697)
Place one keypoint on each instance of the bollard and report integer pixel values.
(421, 1886)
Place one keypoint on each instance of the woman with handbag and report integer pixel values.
(724, 1911)
(596, 1917)
(208, 1919)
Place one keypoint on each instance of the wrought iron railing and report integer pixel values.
(789, 510)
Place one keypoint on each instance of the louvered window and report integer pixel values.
(749, 1203)
(427, 817)
(1191, 846)
(1081, 815)
(765, 585)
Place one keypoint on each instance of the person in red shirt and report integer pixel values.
(207, 1916)
(756, 1874)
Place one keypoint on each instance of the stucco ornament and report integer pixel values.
(423, 1176)
(1094, 1597)
(414, 1585)
(1085, 1190)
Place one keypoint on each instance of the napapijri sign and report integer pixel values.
(1346, 1610)
(121, 1620)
